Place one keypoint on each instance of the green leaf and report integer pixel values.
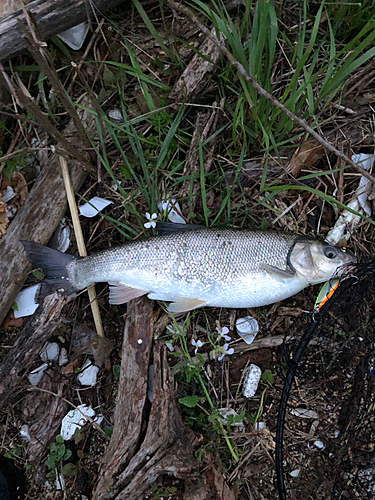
(59, 439)
(69, 470)
(116, 371)
(267, 377)
(190, 401)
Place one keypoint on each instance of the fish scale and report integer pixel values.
(199, 267)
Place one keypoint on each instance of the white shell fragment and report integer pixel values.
(95, 205)
(75, 36)
(115, 116)
(319, 444)
(173, 210)
(345, 224)
(247, 328)
(225, 412)
(25, 433)
(63, 358)
(364, 186)
(303, 413)
(50, 352)
(295, 473)
(36, 375)
(88, 374)
(26, 303)
(60, 240)
(251, 381)
(60, 481)
(8, 194)
(75, 419)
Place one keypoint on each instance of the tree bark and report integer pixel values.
(28, 344)
(149, 440)
(51, 17)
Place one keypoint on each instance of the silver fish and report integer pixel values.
(198, 267)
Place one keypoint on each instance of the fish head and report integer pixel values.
(317, 261)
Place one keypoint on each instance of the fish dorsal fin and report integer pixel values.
(120, 293)
(172, 227)
(183, 304)
(279, 273)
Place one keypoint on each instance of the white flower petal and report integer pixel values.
(199, 343)
(230, 351)
(148, 216)
(153, 216)
(225, 347)
(225, 330)
(147, 225)
(227, 338)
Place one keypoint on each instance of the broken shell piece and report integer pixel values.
(25, 433)
(26, 302)
(75, 36)
(319, 444)
(364, 186)
(60, 240)
(251, 381)
(75, 419)
(225, 413)
(88, 374)
(247, 328)
(173, 210)
(345, 224)
(60, 481)
(294, 473)
(36, 375)
(115, 116)
(50, 352)
(8, 194)
(303, 413)
(94, 206)
(63, 358)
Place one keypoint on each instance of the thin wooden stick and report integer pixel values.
(80, 242)
(261, 91)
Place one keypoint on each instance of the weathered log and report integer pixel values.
(51, 17)
(28, 344)
(37, 219)
(146, 443)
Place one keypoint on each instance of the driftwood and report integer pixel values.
(51, 17)
(37, 219)
(149, 440)
(28, 345)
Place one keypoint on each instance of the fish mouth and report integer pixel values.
(346, 269)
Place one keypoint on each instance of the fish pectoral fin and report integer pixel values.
(279, 273)
(183, 304)
(119, 293)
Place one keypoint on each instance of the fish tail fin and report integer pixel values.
(53, 264)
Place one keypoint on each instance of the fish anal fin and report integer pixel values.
(278, 273)
(183, 304)
(119, 293)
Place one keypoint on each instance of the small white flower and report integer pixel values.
(223, 333)
(225, 351)
(151, 220)
(197, 344)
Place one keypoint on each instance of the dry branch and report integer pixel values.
(37, 219)
(51, 17)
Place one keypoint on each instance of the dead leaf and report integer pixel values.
(11, 322)
(4, 221)
(305, 157)
(19, 186)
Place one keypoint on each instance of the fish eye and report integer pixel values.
(330, 252)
